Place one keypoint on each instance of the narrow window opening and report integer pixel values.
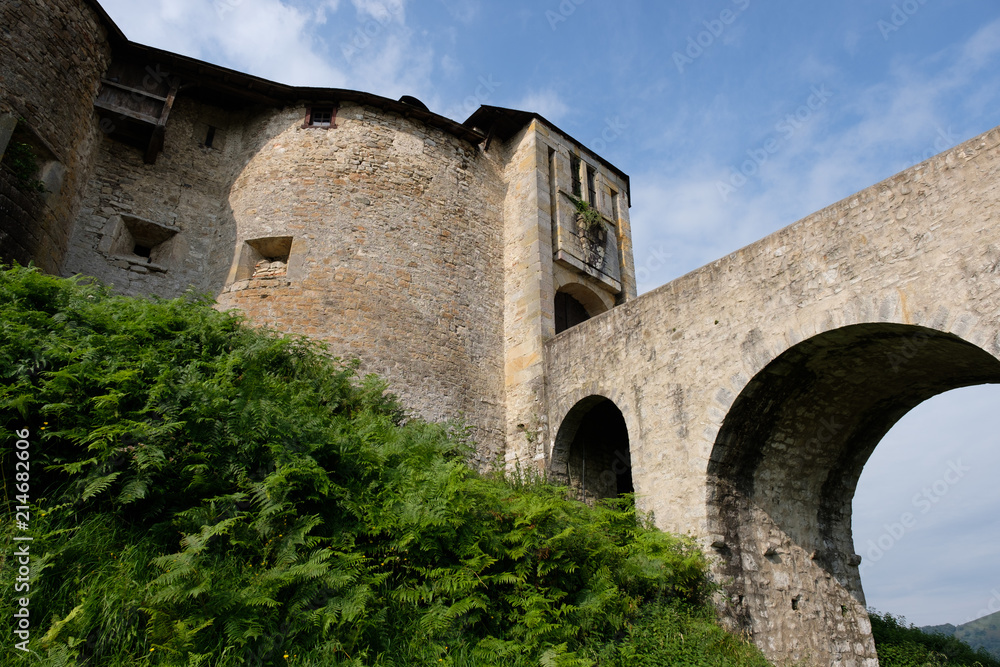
(139, 241)
(552, 188)
(591, 187)
(574, 168)
(209, 137)
(795, 603)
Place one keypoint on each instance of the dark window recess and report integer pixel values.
(320, 117)
(591, 189)
(574, 168)
(264, 258)
(569, 312)
(141, 241)
(209, 137)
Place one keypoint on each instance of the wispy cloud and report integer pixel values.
(546, 102)
(382, 11)
(267, 38)
(370, 49)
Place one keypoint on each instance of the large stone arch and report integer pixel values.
(784, 467)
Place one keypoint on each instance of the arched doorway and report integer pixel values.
(575, 303)
(591, 452)
(786, 462)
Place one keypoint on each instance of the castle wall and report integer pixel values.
(393, 240)
(182, 197)
(52, 55)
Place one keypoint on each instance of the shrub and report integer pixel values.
(207, 493)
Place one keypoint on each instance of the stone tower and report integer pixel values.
(442, 254)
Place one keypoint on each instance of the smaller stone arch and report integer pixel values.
(591, 452)
(576, 303)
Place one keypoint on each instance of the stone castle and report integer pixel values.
(485, 269)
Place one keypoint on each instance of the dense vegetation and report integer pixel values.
(902, 645)
(203, 493)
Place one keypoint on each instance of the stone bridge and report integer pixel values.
(754, 389)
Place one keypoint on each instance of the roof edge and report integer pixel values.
(523, 118)
(274, 92)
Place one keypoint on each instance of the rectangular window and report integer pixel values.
(591, 189)
(321, 116)
(574, 168)
(264, 258)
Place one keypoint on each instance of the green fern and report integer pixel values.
(210, 493)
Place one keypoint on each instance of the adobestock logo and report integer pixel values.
(901, 13)
(992, 606)
(785, 129)
(566, 9)
(698, 44)
(924, 500)
(484, 91)
(366, 31)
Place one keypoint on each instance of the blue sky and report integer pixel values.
(733, 118)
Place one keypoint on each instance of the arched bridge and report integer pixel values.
(754, 389)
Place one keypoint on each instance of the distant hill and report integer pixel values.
(983, 632)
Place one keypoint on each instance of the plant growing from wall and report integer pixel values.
(592, 231)
(20, 159)
(589, 218)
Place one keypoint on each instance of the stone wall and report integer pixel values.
(180, 201)
(394, 254)
(52, 54)
(19, 211)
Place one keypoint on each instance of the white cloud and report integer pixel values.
(983, 45)
(267, 38)
(383, 11)
(545, 102)
(464, 11)
(289, 41)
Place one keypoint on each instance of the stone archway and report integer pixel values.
(591, 452)
(576, 303)
(784, 468)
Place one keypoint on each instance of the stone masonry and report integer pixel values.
(740, 401)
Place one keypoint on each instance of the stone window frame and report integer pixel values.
(314, 111)
(157, 242)
(267, 248)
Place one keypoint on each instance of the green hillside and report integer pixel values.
(902, 645)
(983, 632)
(205, 493)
